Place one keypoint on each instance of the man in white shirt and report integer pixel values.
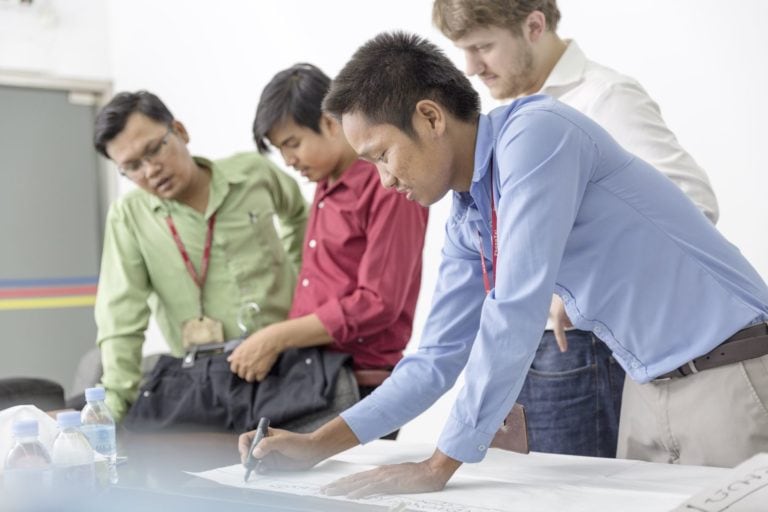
(573, 391)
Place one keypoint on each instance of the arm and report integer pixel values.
(292, 211)
(253, 359)
(544, 164)
(394, 231)
(627, 112)
(122, 313)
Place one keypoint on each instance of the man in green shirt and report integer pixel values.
(193, 245)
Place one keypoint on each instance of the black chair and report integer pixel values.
(42, 393)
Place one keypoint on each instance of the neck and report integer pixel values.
(347, 158)
(464, 158)
(550, 50)
(196, 194)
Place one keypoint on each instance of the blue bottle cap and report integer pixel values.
(25, 428)
(95, 394)
(68, 419)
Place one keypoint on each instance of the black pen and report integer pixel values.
(261, 433)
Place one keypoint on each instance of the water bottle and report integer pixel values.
(27, 469)
(72, 457)
(99, 427)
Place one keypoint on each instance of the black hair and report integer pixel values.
(295, 93)
(111, 119)
(389, 74)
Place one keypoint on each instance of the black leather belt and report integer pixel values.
(208, 349)
(748, 343)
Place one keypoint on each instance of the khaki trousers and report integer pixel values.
(717, 417)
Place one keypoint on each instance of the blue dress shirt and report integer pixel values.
(631, 256)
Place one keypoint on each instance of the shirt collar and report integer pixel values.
(354, 178)
(569, 68)
(220, 181)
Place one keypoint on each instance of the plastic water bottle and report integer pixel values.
(27, 469)
(72, 457)
(99, 427)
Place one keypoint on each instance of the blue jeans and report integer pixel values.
(572, 399)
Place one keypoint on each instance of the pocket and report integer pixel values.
(756, 372)
(265, 236)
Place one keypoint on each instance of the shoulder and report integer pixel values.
(245, 165)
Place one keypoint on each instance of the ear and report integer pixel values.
(431, 115)
(535, 26)
(180, 131)
(329, 125)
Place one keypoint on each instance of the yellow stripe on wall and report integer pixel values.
(49, 302)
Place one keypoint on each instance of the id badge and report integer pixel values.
(201, 330)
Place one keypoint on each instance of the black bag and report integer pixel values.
(208, 396)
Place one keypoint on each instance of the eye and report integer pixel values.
(154, 150)
(382, 157)
(292, 144)
(131, 166)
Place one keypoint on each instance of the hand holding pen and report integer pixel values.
(250, 461)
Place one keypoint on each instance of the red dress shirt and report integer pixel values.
(361, 266)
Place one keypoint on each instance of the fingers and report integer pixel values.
(359, 484)
(244, 444)
(562, 340)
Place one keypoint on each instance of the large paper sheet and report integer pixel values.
(504, 481)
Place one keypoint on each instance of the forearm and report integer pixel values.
(332, 438)
(305, 331)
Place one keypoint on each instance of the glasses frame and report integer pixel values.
(150, 154)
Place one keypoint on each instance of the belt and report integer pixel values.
(208, 349)
(748, 343)
(371, 378)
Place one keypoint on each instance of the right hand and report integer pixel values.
(281, 450)
(285, 450)
(560, 322)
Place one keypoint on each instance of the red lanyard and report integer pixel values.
(199, 281)
(494, 244)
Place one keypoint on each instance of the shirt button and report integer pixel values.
(308, 360)
(481, 447)
(321, 204)
(312, 243)
(305, 282)
(359, 340)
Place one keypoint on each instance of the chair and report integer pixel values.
(42, 393)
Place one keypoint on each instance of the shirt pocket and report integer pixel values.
(264, 238)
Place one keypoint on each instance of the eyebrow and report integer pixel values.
(365, 152)
(286, 140)
(143, 152)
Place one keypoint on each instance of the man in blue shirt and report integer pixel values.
(545, 191)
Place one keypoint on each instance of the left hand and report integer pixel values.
(255, 356)
(410, 477)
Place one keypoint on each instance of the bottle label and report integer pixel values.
(101, 437)
(77, 476)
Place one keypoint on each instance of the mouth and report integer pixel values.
(488, 79)
(163, 185)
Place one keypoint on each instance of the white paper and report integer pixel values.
(742, 489)
(504, 481)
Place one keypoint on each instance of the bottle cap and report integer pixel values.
(95, 394)
(68, 419)
(25, 428)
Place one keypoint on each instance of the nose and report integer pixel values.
(387, 179)
(473, 65)
(290, 158)
(150, 168)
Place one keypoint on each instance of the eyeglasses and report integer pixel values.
(152, 152)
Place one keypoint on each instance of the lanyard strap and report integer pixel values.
(199, 280)
(494, 244)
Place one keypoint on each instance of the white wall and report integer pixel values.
(209, 61)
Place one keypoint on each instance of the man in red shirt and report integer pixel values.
(361, 269)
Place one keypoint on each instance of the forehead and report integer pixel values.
(138, 131)
(365, 136)
(484, 35)
(285, 129)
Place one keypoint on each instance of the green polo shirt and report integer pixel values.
(143, 273)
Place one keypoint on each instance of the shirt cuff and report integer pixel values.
(331, 315)
(368, 422)
(462, 442)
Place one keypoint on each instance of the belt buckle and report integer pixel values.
(692, 366)
(189, 358)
